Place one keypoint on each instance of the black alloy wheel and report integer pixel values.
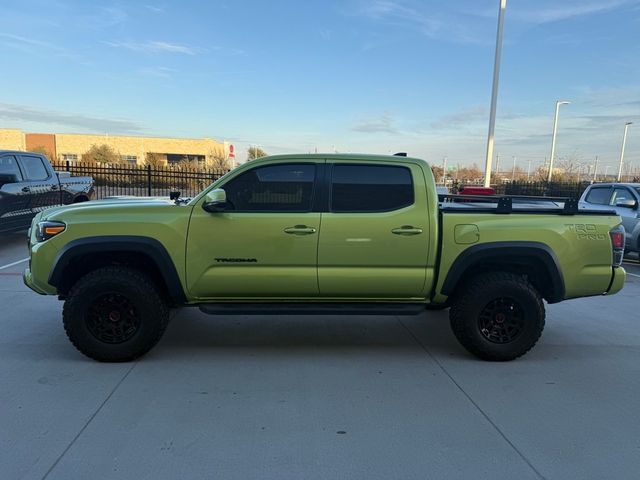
(112, 318)
(501, 320)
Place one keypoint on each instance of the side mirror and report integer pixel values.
(8, 178)
(627, 203)
(215, 201)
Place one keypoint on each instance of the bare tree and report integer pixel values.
(154, 159)
(218, 161)
(255, 152)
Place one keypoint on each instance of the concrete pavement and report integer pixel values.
(319, 397)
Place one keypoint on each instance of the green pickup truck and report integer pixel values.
(319, 234)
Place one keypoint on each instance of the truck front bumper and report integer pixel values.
(617, 280)
(27, 278)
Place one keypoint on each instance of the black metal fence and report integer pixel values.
(547, 189)
(142, 180)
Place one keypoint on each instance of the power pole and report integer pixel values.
(595, 169)
(513, 172)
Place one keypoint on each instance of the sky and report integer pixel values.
(376, 76)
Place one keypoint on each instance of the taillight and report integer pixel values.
(617, 244)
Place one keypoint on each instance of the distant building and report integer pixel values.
(133, 150)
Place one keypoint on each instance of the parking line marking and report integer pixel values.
(14, 263)
(633, 274)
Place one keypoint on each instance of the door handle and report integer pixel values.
(407, 230)
(26, 189)
(300, 230)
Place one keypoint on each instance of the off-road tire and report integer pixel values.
(142, 302)
(480, 298)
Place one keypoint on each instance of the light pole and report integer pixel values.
(528, 170)
(606, 170)
(444, 171)
(595, 170)
(494, 93)
(553, 138)
(624, 142)
(513, 172)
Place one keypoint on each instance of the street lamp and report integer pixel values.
(624, 142)
(494, 94)
(553, 138)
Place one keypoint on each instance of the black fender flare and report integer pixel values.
(504, 252)
(147, 246)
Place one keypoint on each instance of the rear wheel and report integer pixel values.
(498, 316)
(114, 314)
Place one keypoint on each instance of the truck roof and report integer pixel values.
(341, 156)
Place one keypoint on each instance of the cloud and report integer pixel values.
(155, 8)
(396, 13)
(452, 24)
(442, 25)
(158, 72)
(102, 18)
(22, 113)
(41, 48)
(9, 39)
(325, 34)
(380, 124)
(463, 117)
(565, 10)
(154, 47)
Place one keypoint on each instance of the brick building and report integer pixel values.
(134, 150)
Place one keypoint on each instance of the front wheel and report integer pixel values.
(498, 316)
(114, 314)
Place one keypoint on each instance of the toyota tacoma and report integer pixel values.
(345, 234)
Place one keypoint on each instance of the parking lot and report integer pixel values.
(319, 397)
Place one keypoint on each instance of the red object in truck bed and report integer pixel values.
(470, 190)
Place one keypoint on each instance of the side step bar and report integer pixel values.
(312, 308)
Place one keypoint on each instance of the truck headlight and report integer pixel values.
(46, 230)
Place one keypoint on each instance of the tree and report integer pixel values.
(437, 173)
(255, 152)
(42, 150)
(154, 159)
(101, 154)
(218, 161)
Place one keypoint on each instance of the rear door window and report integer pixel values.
(9, 166)
(620, 194)
(599, 195)
(370, 188)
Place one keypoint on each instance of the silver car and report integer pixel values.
(624, 198)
